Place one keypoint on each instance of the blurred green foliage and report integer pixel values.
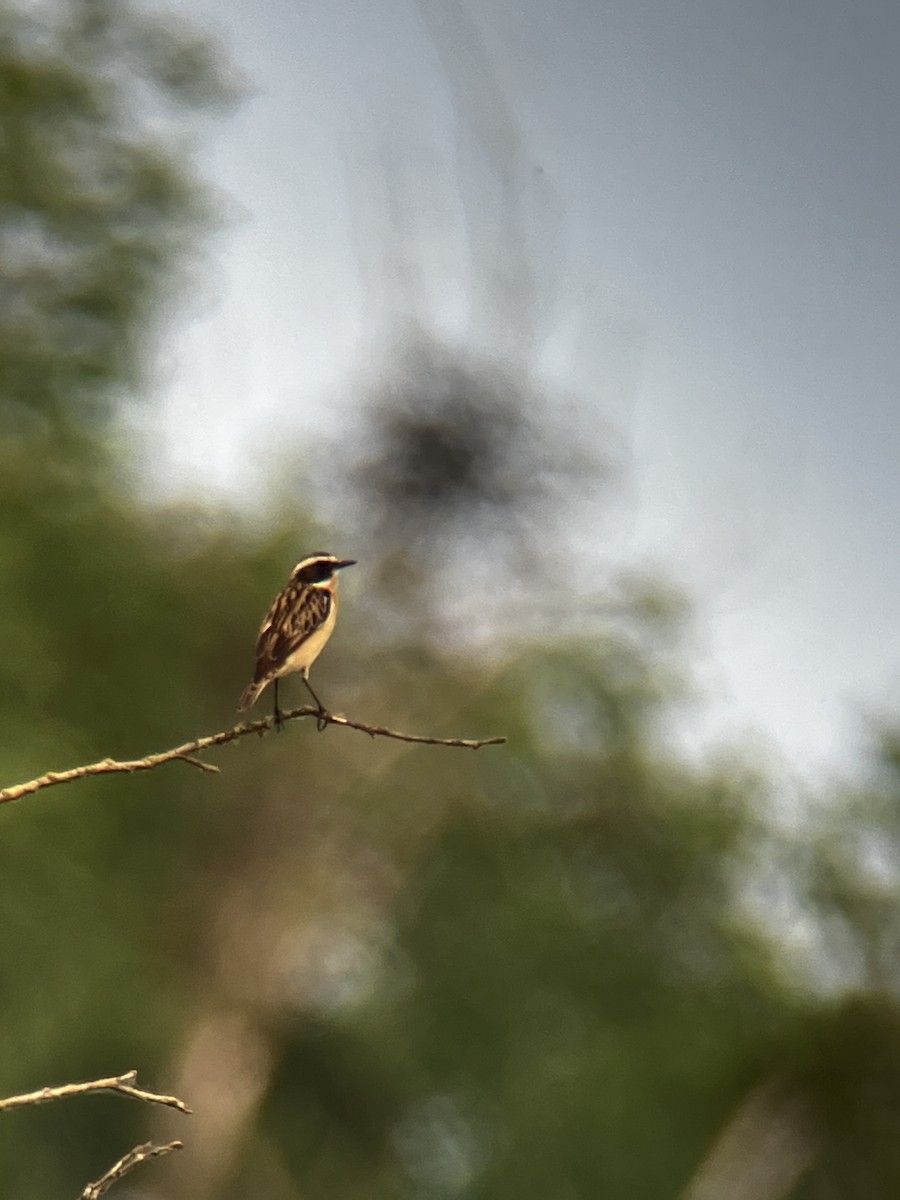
(562, 968)
(97, 203)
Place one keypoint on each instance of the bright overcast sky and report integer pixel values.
(728, 176)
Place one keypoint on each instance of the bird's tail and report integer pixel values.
(251, 693)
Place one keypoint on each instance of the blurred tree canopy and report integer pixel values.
(575, 966)
(97, 204)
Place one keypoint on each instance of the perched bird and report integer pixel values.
(296, 627)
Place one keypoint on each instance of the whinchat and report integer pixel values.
(296, 627)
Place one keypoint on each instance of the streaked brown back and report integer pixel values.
(296, 614)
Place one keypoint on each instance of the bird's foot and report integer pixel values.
(321, 720)
(279, 720)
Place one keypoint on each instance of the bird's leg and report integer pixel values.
(321, 722)
(279, 719)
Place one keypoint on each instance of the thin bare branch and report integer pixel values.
(106, 766)
(187, 752)
(383, 731)
(125, 1164)
(125, 1085)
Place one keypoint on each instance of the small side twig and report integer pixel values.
(125, 1085)
(126, 1163)
(187, 752)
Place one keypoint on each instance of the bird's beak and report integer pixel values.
(344, 562)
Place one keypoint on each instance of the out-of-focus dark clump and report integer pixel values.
(474, 493)
(461, 448)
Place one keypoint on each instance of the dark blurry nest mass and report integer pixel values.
(458, 448)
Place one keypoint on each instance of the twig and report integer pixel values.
(383, 731)
(125, 1085)
(125, 1164)
(186, 753)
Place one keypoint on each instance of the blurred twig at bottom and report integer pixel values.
(124, 1085)
(187, 752)
(124, 1165)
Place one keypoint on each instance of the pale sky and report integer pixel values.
(727, 293)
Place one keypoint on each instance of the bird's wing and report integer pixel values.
(296, 614)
